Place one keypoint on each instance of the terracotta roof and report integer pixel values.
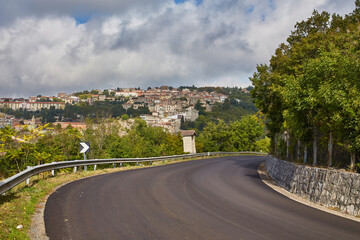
(188, 132)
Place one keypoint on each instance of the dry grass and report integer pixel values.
(334, 209)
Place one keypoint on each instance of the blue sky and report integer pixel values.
(82, 18)
(197, 2)
(45, 48)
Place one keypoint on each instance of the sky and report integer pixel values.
(51, 46)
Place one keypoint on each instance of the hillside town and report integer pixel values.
(166, 105)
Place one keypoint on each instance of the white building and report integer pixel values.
(126, 94)
(189, 141)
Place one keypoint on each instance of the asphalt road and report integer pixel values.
(219, 198)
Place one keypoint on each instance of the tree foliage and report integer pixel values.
(145, 141)
(310, 87)
(240, 135)
(28, 147)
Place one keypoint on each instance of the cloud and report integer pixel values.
(43, 49)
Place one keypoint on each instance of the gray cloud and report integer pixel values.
(135, 43)
(12, 10)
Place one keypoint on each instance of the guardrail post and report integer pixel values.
(27, 182)
(53, 173)
(95, 166)
(121, 164)
(208, 153)
(150, 162)
(137, 163)
(75, 169)
(113, 165)
(85, 168)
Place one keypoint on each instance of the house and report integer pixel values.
(32, 106)
(189, 141)
(126, 94)
(77, 125)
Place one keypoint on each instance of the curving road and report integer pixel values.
(219, 198)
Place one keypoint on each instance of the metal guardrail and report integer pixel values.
(11, 182)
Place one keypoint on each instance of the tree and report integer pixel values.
(124, 117)
(237, 136)
(145, 141)
(226, 104)
(308, 89)
(246, 132)
(216, 137)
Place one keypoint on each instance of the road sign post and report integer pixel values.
(85, 167)
(84, 147)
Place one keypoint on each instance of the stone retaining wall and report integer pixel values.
(330, 188)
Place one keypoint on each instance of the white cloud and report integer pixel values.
(134, 43)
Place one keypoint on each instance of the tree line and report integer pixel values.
(110, 139)
(30, 147)
(309, 91)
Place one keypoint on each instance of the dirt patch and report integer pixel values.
(37, 229)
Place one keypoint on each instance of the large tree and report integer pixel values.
(309, 88)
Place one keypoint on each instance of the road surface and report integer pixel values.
(219, 198)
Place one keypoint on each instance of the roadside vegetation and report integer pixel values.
(110, 139)
(309, 92)
(30, 147)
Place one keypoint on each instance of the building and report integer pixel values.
(61, 95)
(5, 120)
(189, 141)
(78, 125)
(126, 94)
(32, 106)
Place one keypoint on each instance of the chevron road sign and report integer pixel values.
(84, 147)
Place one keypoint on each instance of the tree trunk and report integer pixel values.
(298, 149)
(353, 160)
(287, 146)
(275, 143)
(331, 144)
(305, 154)
(315, 147)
